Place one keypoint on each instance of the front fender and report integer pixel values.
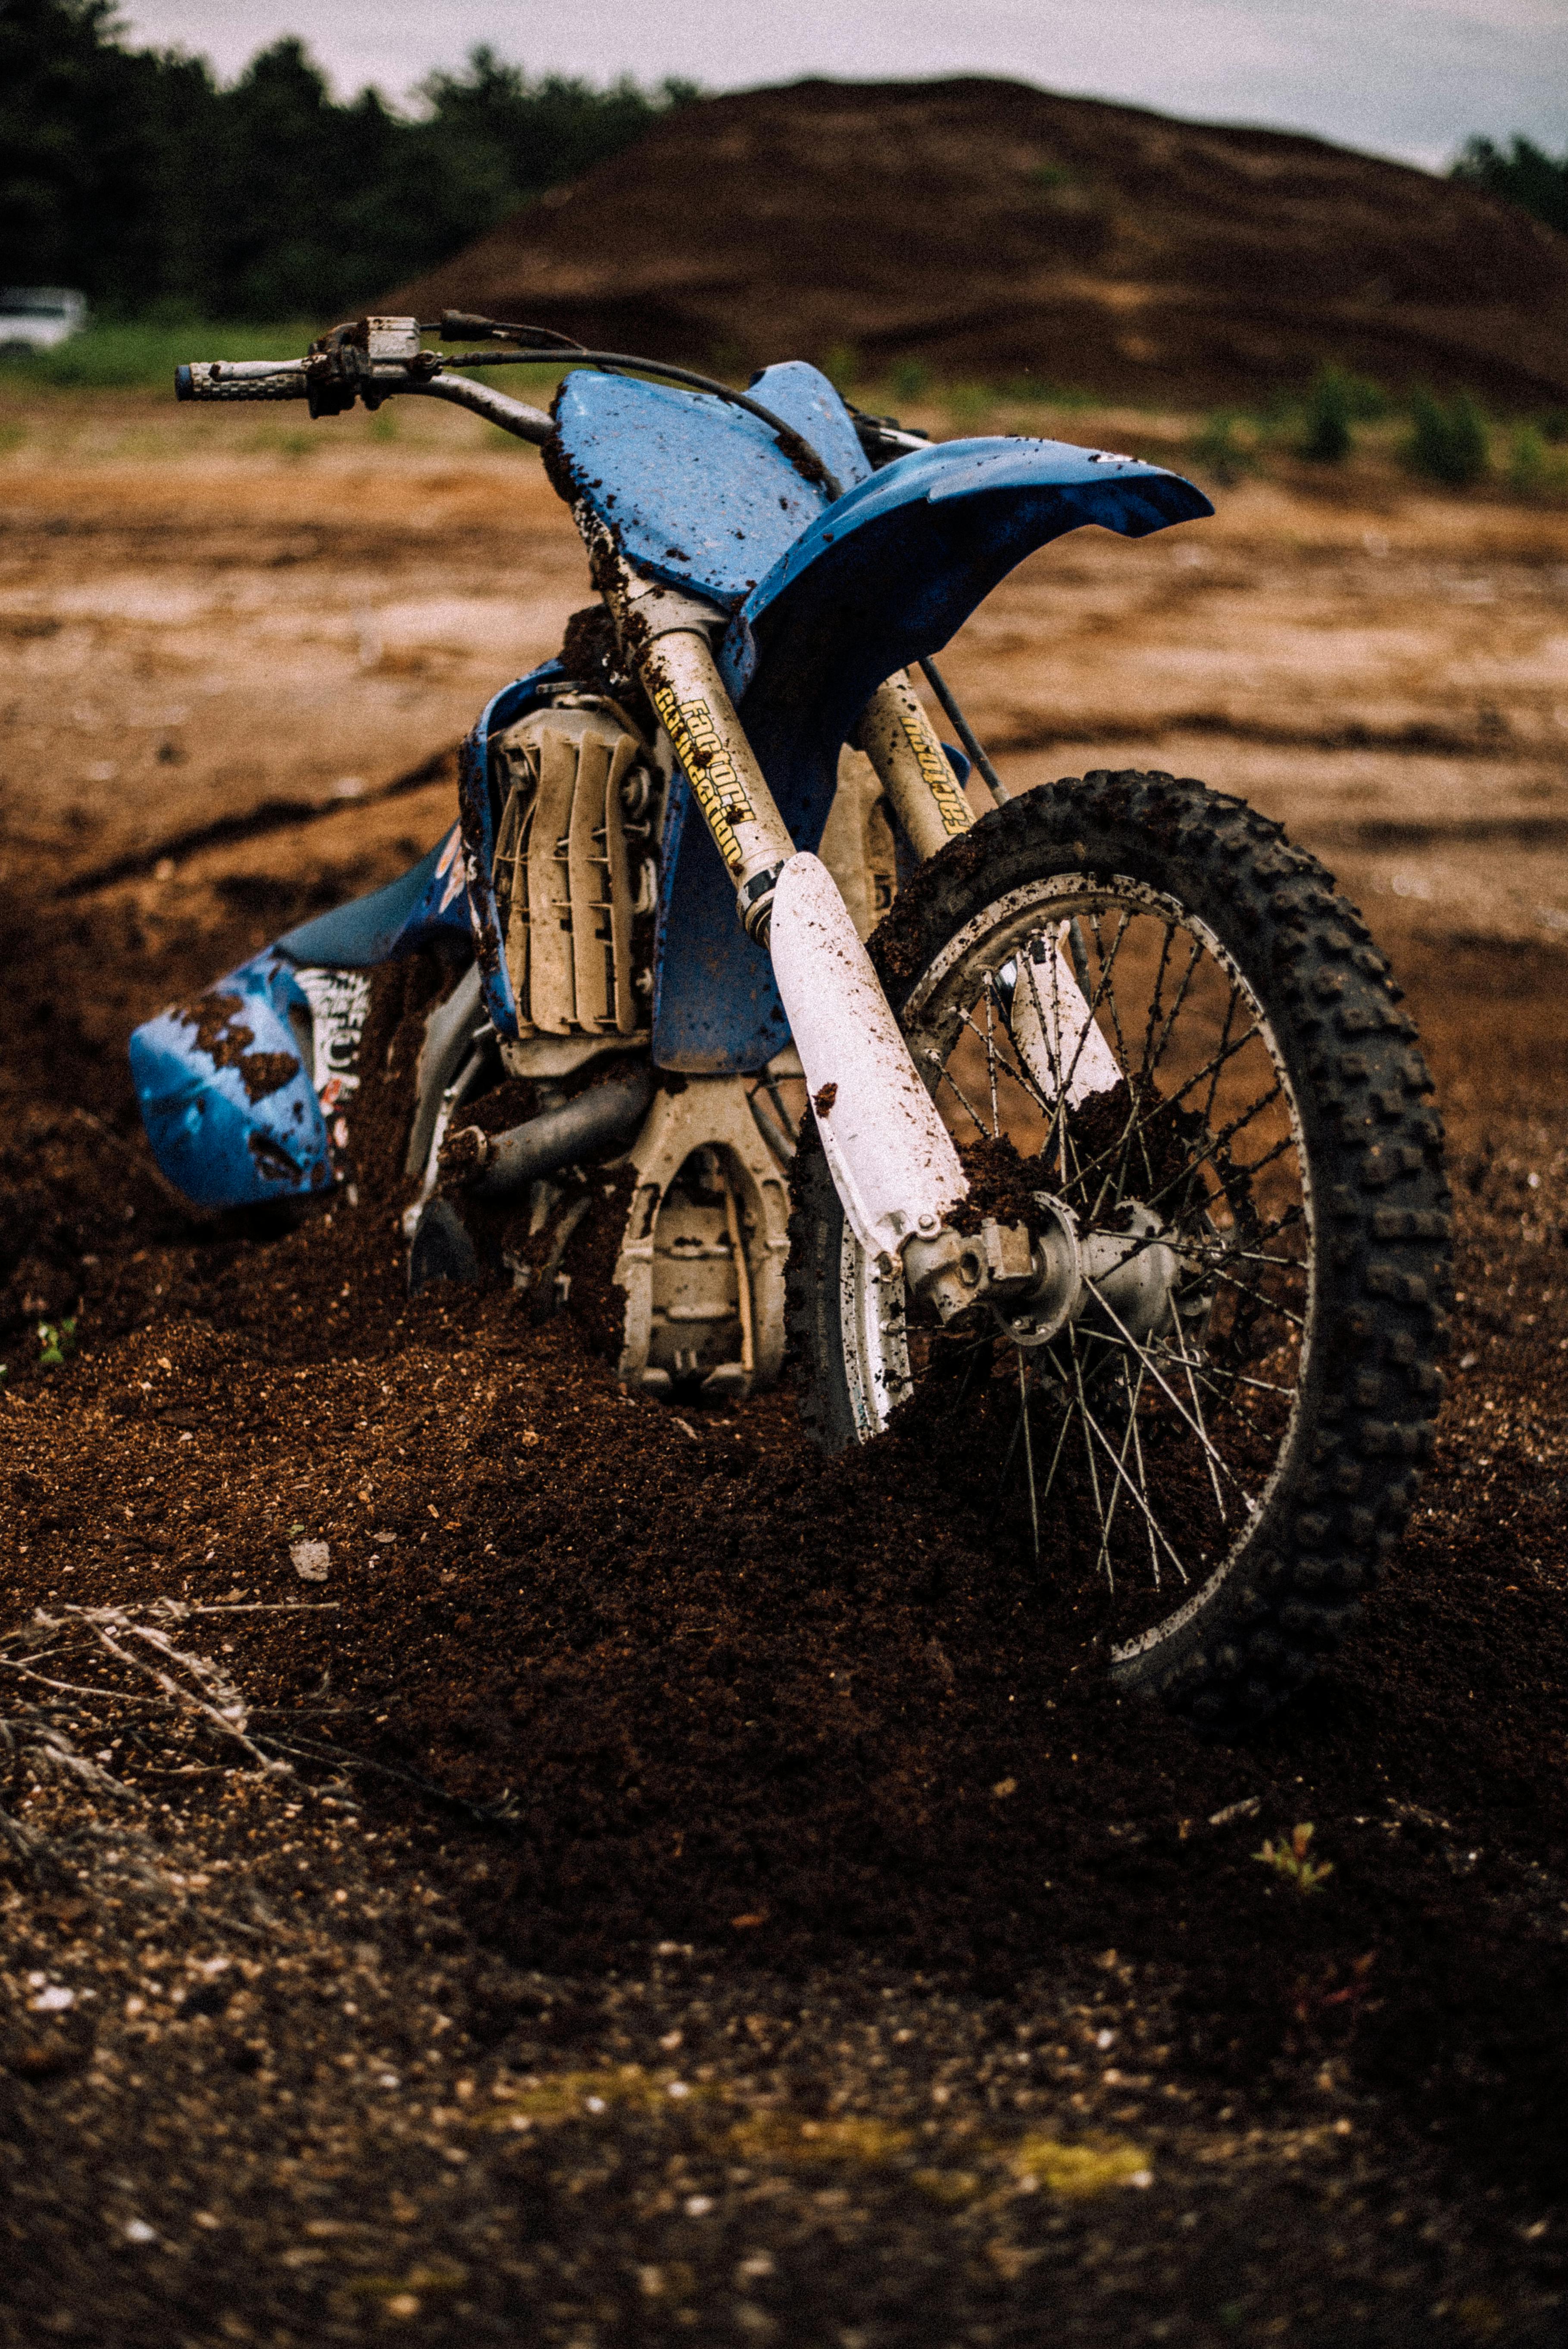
(882, 578)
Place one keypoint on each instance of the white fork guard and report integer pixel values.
(893, 1161)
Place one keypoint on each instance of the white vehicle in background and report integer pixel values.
(37, 318)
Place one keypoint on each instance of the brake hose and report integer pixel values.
(794, 443)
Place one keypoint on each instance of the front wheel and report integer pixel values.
(1163, 1042)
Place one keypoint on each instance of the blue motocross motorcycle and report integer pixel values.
(1076, 1139)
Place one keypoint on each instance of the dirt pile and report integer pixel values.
(987, 228)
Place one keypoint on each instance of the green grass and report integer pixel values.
(1448, 440)
(143, 357)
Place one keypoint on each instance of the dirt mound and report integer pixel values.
(987, 228)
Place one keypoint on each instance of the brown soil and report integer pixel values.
(988, 228)
(715, 1896)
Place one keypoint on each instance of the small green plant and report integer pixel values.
(909, 378)
(57, 1343)
(1554, 426)
(1448, 439)
(1536, 469)
(841, 366)
(1328, 439)
(1224, 447)
(1527, 462)
(1290, 1860)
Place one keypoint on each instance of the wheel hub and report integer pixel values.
(1037, 1279)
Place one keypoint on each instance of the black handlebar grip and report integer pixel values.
(207, 379)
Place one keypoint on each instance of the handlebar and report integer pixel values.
(382, 357)
(231, 380)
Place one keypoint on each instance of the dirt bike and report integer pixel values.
(1081, 1143)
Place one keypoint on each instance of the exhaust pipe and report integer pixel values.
(497, 1166)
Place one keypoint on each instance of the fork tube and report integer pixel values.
(686, 690)
(897, 739)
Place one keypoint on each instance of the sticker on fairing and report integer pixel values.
(339, 1000)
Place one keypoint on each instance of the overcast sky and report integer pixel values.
(1407, 78)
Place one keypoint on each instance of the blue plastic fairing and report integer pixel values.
(230, 1104)
(226, 1097)
(698, 494)
(408, 912)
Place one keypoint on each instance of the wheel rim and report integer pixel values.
(1132, 1462)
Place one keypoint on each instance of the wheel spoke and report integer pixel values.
(1220, 1256)
(1143, 1482)
(1212, 1372)
(1194, 957)
(1221, 1056)
(1210, 1452)
(1092, 1424)
(1140, 1124)
(945, 1076)
(1155, 998)
(1028, 1454)
(1166, 1388)
(1215, 1145)
(1262, 1297)
(1122, 1054)
(1088, 1418)
(1004, 1067)
(991, 1051)
(1094, 1001)
(1202, 1366)
(1103, 1564)
(1019, 1074)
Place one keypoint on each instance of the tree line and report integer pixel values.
(133, 175)
(1522, 173)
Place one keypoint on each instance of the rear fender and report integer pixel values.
(247, 1092)
(226, 1096)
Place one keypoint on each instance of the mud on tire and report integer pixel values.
(1370, 1145)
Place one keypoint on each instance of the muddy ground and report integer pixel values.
(704, 1901)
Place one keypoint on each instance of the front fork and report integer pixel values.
(683, 682)
(893, 1161)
